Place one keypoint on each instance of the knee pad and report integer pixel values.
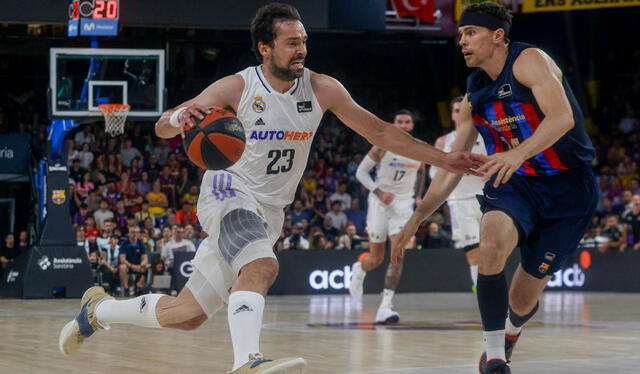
(243, 239)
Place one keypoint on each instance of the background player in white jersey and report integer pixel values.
(390, 205)
(280, 103)
(463, 204)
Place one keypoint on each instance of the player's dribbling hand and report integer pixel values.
(402, 238)
(503, 165)
(186, 118)
(464, 162)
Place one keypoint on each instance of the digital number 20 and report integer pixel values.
(275, 155)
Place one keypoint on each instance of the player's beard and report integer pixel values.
(285, 73)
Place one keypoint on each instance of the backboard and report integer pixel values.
(83, 78)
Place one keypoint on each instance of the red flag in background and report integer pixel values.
(421, 9)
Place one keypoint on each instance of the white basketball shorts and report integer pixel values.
(240, 230)
(387, 220)
(465, 222)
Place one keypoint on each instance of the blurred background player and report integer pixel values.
(464, 208)
(241, 208)
(391, 201)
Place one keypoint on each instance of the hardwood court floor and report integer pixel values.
(439, 333)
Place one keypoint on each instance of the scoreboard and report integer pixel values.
(93, 17)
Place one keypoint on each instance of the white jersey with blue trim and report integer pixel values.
(397, 174)
(279, 128)
(469, 185)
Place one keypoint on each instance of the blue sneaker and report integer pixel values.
(85, 324)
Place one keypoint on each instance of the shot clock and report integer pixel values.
(93, 17)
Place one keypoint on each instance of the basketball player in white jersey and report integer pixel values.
(391, 199)
(280, 104)
(463, 205)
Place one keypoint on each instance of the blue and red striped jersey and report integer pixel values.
(506, 113)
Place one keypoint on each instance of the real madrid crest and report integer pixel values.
(258, 104)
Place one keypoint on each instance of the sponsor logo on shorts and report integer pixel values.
(242, 308)
(281, 135)
(143, 303)
(543, 268)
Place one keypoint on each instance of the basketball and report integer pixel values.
(217, 141)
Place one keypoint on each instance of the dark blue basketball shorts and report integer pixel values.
(551, 213)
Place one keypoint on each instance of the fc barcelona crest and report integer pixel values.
(543, 268)
(258, 105)
(58, 196)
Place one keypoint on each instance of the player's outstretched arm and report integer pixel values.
(536, 70)
(334, 97)
(225, 92)
(439, 190)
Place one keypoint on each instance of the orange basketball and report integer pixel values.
(217, 141)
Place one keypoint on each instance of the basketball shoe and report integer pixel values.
(356, 287)
(259, 365)
(85, 324)
(509, 343)
(496, 366)
(386, 315)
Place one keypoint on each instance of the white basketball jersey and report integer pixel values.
(397, 174)
(279, 128)
(469, 185)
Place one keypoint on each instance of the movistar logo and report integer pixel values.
(281, 135)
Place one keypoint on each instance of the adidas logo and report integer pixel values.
(143, 303)
(241, 309)
(259, 122)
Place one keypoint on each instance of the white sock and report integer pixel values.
(474, 274)
(245, 322)
(140, 311)
(387, 296)
(511, 329)
(494, 344)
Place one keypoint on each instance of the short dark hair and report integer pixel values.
(457, 99)
(403, 112)
(263, 25)
(496, 10)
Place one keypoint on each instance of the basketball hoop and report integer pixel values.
(114, 117)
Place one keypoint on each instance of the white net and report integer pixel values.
(115, 116)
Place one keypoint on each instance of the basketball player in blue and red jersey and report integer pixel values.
(540, 193)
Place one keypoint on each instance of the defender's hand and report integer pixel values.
(464, 162)
(402, 238)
